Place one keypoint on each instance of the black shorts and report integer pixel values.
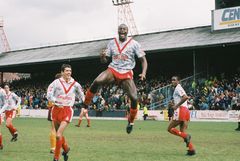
(170, 112)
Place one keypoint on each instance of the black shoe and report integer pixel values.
(65, 155)
(1, 147)
(129, 127)
(187, 140)
(191, 152)
(88, 125)
(14, 138)
(77, 125)
(237, 129)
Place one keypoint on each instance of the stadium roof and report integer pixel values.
(188, 38)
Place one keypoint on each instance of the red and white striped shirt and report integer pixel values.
(63, 93)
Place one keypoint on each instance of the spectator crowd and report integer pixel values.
(215, 93)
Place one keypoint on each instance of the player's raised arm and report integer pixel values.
(106, 53)
(103, 56)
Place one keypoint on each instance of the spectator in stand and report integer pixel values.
(203, 104)
(145, 112)
(219, 94)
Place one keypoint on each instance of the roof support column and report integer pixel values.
(194, 69)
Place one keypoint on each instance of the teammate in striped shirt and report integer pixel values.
(2, 102)
(52, 135)
(12, 101)
(62, 93)
(181, 115)
(122, 51)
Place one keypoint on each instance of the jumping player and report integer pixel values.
(181, 115)
(12, 101)
(62, 93)
(122, 50)
(84, 112)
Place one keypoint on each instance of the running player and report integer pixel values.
(52, 135)
(84, 112)
(12, 101)
(181, 115)
(62, 93)
(122, 50)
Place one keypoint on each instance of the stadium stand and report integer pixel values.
(215, 93)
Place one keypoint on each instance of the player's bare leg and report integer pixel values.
(60, 141)
(131, 90)
(11, 129)
(182, 133)
(174, 131)
(183, 128)
(80, 118)
(87, 118)
(52, 138)
(172, 124)
(106, 77)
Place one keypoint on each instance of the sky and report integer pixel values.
(35, 23)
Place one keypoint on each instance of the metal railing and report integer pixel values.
(161, 97)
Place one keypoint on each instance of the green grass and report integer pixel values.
(108, 141)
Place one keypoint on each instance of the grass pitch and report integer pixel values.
(107, 141)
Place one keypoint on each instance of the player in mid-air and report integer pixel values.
(12, 101)
(2, 102)
(62, 93)
(181, 115)
(122, 51)
(84, 112)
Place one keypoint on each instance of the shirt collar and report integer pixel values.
(71, 80)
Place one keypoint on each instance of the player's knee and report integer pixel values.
(58, 136)
(169, 129)
(8, 124)
(97, 82)
(133, 98)
(53, 131)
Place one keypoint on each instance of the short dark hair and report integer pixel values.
(6, 84)
(65, 66)
(178, 78)
(58, 75)
(123, 25)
